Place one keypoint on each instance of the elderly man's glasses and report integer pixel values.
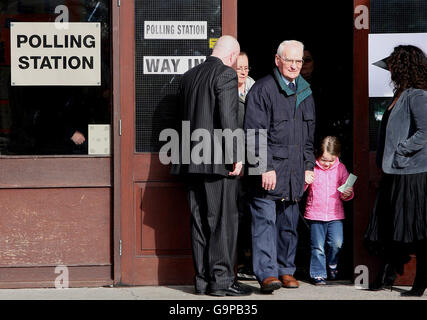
(290, 62)
(243, 69)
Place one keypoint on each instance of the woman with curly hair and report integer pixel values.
(398, 224)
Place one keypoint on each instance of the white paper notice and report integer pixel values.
(175, 30)
(99, 139)
(349, 183)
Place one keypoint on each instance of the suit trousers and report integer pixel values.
(274, 237)
(214, 224)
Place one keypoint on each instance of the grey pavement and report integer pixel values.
(337, 290)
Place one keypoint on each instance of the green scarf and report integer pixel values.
(303, 87)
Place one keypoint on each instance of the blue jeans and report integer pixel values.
(274, 237)
(324, 235)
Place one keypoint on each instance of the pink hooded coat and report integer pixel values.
(324, 202)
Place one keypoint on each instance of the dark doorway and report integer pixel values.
(327, 32)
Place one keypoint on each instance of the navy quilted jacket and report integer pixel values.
(289, 120)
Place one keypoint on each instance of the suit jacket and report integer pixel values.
(208, 99)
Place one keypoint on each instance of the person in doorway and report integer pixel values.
(245, 83)
(280, 106)
(54, 126)
(208, 100)
(310, 73)
(244, 250)
(331, 117)
(325, 211)
(398, 224)
(308, 66)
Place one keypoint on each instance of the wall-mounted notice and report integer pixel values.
(99, 139)
(171, 64)
(43, 54)
(175, 30)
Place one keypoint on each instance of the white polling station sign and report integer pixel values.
(171, 64)
(43, 54)
(175, 30)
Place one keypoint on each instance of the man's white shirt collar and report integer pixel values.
(287, 81)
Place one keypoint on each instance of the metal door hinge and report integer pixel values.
(120, 127)
(118, 3)
(120, 248)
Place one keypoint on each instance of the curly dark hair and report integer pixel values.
(408, 67)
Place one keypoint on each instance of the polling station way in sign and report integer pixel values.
(174, 30)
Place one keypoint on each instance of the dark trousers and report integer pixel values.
(274, 237)
(214, 224)
(244, 238)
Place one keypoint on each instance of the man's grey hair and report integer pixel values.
(288, 43)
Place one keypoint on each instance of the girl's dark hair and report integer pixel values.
(330, 144)
(408, 67)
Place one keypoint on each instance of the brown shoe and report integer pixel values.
(289, 281)
(270, 284)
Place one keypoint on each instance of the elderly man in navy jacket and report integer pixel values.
(281, 105)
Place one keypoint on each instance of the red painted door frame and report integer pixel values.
(154, 216)
(364, 160)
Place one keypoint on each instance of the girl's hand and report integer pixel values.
(347, 193)
(309, 177)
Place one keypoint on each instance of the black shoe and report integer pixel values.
(234, 290)
(245, 273)
(318, 281)
(333, 274)
(385, 279)
(414, 292)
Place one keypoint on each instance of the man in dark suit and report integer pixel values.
(208, 101)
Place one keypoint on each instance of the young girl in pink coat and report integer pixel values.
(324, 210)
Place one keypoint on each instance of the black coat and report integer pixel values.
(289, 119)
(208, 99)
